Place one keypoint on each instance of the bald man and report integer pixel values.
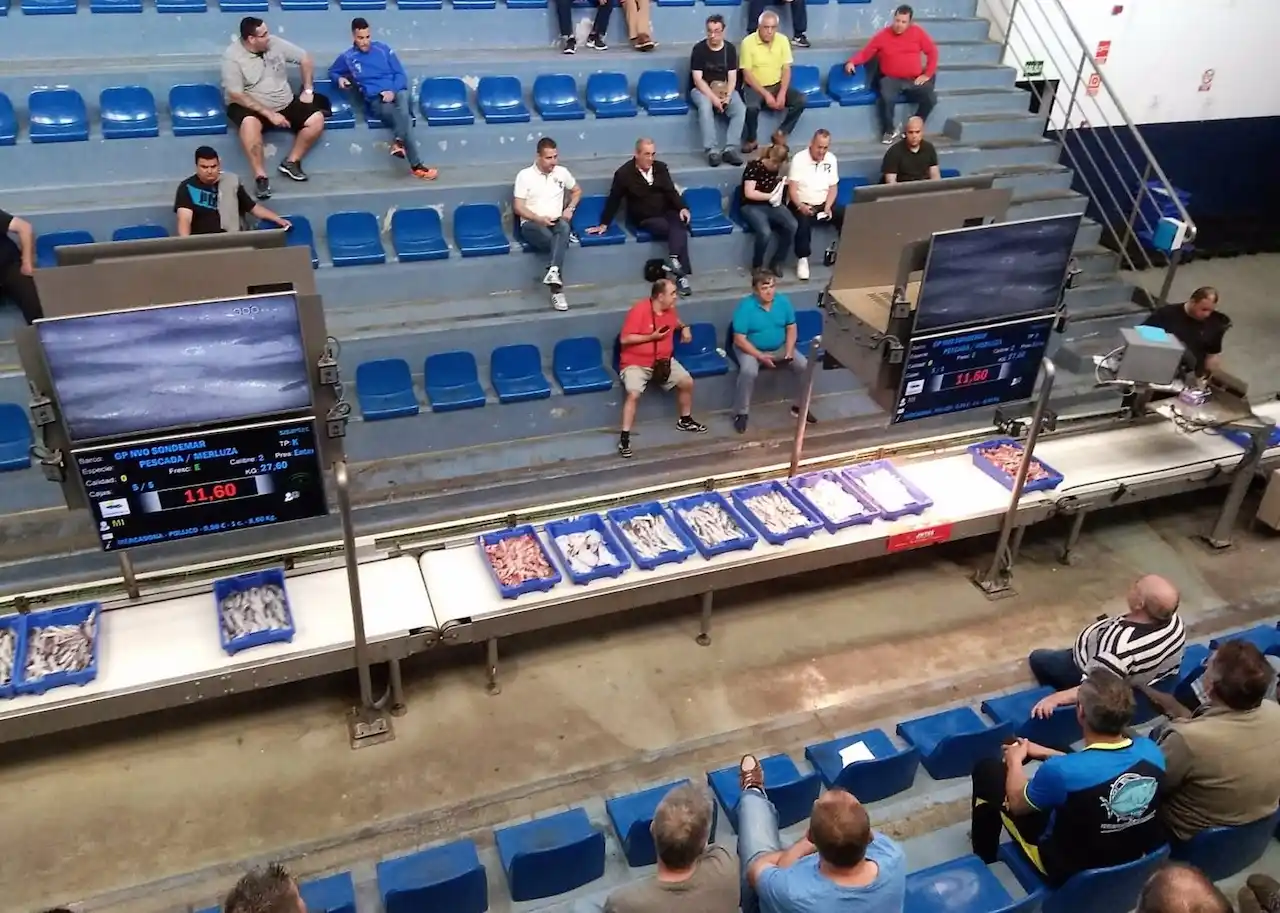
(1181, 889)
(913, 158)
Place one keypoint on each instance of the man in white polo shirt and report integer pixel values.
(811, 194)
(544, 214)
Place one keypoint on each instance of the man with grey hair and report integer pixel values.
(765, 59)
(1177, 888)
(265, 890)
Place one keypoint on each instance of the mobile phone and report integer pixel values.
(664, 330)
(783, 362)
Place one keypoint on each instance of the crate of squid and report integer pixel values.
(61, 648)
(587, 549)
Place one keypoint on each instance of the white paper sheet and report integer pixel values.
(858, 751)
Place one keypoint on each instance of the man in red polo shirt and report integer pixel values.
(647, 342)
(897, 51)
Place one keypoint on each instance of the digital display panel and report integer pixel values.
(183, 486)
(995, 272)
(970, 369)
(178, 366)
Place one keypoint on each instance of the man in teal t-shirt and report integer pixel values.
(764, 335)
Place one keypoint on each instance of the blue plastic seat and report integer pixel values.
(242, 6)
(420, 4)
(892, 770)
(385, 389)
(529, 4)
(128, 111)
(808, 327)
(354, 239)
(357, 5)
(304, 5)
(47, 7)
(1264, 637)
(443, 100)
(1111, 890)
(632, 816)
(850, 88)
(332, 894)
(197, 110)
(501, 100)
(791, 792)
(699, 356)
(949, 172)
(57, 116)
(735, 213)
(299, 235)
(844, 189)
(588, 214)
(475, 4)
(15, 437)
(182, 6)
(963, 885)
(416, 234)
(555, 95)
(549, 856)
(139, 232)
(578, 365)
(8, 122)
(808, 82)
(660, 92)
(1221, 852)
(706, 212)
(115, 6)
(516, 374)
(341, 115)
(477, 230)
(45, 244)
(1060, 731)
(951, 742)
(452, 382)
(608, 95)
(448, 877)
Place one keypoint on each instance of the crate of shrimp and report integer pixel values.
(712, 524)
(13, 644)
(253, 610)
(833, 499)
(61, 648)
(881, 483)
(518, 562)
(587, 549)
(1000, 458)
(776, 513)
(649, 534)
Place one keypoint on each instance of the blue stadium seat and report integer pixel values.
(420, 4)
(197, 110)
(128, 111)
(341, 115)
(57, 116)
(808, 81)
(808, 326)
(588, 213)
(529, 4)
(952, 741)
(632, 815)
(242, 6)
(1060, 731)
(735, 213)
(357, 5)
(443, 100)
(791, 792)
(299, 235)
(139, 232)
(640, 234)
(676, 2)
(549, 856)
(736, 2)
(115, 6)
(963, 885)
(385, 389)
(950, 172)
(844, 189)
(892, 771)
(1112, 890)
(475, 4)
(416, 234)
(706, 212)
(304, 5)
(181, 6)
(555, 95)
(850, 89)
(15, 437)
(8, 122)
(578, 365)
(501, 100)
(354, 239)
(660, 92)
(452, 382)
(699, 356)
(1264, 637)
(477, 230)
(45, 244)
(448, 877)
(47, 7)
(332, 894)
(516, 374)
(608, 95)
(1221, 852)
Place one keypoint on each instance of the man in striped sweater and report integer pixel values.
(1144, 645)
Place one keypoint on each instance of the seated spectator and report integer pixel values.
(1197, 324)
(255, 81)
(265, 890)
(374, 75)
(639, 28)
(599, 27)
(544, 215)
(713, 66)
(653, 204)
(799, 18)
(771, 222)
(1091, 809)
(766, 69)
(1260, 894)
(812, 181)
(1177, 888)
(764, 336)
(646, 345)
(839, 865)
(912, 158)
(18, 266)
(213, 200)
(896, 51)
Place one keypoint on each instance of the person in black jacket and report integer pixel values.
(653, 204)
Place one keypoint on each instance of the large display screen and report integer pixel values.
(178, 366)
(995, 272)
(183, 486)
(970, 369)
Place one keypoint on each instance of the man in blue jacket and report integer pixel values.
(375, 73)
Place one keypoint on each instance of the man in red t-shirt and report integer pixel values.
(648, 337)
(896, 51)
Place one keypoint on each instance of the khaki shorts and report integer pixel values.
(635, 380)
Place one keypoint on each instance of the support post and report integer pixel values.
(396, 684)
(492, 685)
(1008, 30)
(1071, 102)
(1175, 259)
(1220, 537)
(704, 623)
(1073, 536)
(1133, 213)
(802, 419)
(130, 577)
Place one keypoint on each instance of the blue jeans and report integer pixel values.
(757, 833)
(734, 110)
(554, 240)
(769, 223)
(749, 369)
(1055, 668)
(794, 107)
(396, 115)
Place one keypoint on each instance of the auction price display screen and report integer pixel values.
(183, 486)
(973, 368)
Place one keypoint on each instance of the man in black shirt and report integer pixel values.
(17, 264)
(1198, 325)
(200, 206)
(713, 64)
(912, 158)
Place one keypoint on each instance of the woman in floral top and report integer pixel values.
(762, 209)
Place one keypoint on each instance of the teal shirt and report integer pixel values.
(766, 330)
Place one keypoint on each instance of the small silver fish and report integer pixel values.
(60, 648)
(252, 610)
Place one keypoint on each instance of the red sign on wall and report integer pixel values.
(1094, 84)
(1206, 81)
(1103, 51)
(900, 542)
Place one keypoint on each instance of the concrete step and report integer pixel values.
(1028, 179)
(1097, 261)
(1048, 203)
(977, 128)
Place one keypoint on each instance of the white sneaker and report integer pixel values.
(802, 268)
(552, 277)
(559, 301)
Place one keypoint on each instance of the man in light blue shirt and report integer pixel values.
(839, 866)
(764, 336)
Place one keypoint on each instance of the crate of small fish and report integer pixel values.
(999, 458)
(253, 609)
(776, 513)
(518, 562)
(885, 487)
(13, 643)
(833, 499)
(712, 524)
(587, 549)
(1241, 438)
(648, 533)
(61, 648)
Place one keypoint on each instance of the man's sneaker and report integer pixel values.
(624, 449)
(776, 268)
(740, 424)
(568, 45)
(713, 159)
(596, 43)
(801, 41)
(888, 139)
(552, 277)
(802, 268)
(683, 286)
(423, 173)
(292, 170)
(686, 423)
(559, 301)
(731, 156)
(397, 149)
(808, 416)
(262, 188)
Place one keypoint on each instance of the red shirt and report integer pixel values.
(899, 55)
(642, 319)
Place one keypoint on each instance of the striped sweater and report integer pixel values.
(1143, 652)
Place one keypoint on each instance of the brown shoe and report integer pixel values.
(1265, 890)
(750, 774)
(749, 147)
(646, 42)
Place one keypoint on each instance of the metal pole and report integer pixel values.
(1008, 30)
(1133, 213)
(802, 418)
(704, 625)
(353, 583)
(130, 578)
(1175, 258)
(1071, 102)
(1220, 536)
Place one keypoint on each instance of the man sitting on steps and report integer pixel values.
(544, 215)
(213, 201)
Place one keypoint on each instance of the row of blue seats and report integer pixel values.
(69, 7)
(15, 438)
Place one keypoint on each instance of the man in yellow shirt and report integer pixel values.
(765, 59)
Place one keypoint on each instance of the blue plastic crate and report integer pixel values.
(620, 515)
(746, 541)
(1048, 483)
(229, 586)
(1241, 438)
(67, 615)
(536, 585)
(920, 502)
(741, 495)
(17, 624)
(582, 524)
(801, 484)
